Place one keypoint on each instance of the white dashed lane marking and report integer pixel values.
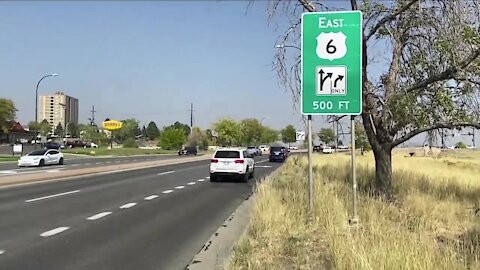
(164, 173)
(99, 215)
(191, 183)
(167, 191)
(53, 196)
(128, 205)
(2, 251)
(54, 231)
(180, 187)
(208, 177)
(151, 197)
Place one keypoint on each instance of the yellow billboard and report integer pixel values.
(112, 125)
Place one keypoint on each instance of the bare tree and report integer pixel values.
(431, 62)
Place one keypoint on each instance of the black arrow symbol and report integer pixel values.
(339, 78)
(323, 79)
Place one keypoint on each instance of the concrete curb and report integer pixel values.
(29, 179)
(217, 252)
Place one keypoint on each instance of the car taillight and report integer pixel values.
(214, 160)
(239, 161)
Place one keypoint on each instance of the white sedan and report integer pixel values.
(327, 150)
(41, 158)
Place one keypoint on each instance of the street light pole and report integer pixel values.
(36, 106)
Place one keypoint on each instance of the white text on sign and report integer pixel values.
(326, 23)
(329, 105)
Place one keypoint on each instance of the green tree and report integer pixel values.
(152, 131)
(73, 130)
(129, 130)
(430, 81)
(361, 139)
(326, 135)
(269, 135)
(198, 138)
(7, 114)
(130, 143)
(289, 134)
(252, 131)
(172, 138)
(229, 132)
(44, 128)
(461, 145)
(32, 125)
(178, 125)
(59, 130)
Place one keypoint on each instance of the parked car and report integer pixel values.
(76, 143)
(91, 145)
(232, 163)
(53, 145)
(327, 150)
(292, 147)
(41, 158)
(317, 148)
(188, 150)
(277, 153)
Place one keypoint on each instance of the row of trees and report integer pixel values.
(230, 132)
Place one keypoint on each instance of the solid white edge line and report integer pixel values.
(164, 173)
(52, 196)
(167, 191)
(54, 231)
(99, 215)
(128, 205)
(191, 183)
(151, 197)
(180, 187)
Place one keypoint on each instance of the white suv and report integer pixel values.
(231, 162)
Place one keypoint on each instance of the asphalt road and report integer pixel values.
(9, 168)
(155, 218)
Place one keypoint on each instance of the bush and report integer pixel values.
(130, 143)
(461, 145)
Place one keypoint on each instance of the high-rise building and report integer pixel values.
(58, 108)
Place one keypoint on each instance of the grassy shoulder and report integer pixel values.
(432, 224)
(116, 151)
(6, 159)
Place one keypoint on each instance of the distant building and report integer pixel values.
(58, 108)
(16, 134)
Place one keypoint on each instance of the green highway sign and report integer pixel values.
(332, 63)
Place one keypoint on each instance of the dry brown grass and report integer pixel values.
(432, 225)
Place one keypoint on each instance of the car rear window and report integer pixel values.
(227, 154)
(275, 149)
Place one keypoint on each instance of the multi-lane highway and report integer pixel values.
(155, 218)
(11, 168)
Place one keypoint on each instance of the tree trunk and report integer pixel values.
(383, 171)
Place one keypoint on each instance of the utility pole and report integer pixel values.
(191, 115)
(92, 120)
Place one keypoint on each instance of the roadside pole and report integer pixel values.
(310, 166)
(354, 219)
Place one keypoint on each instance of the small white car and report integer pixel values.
(41, 158)
(264, 148)
(327, 150)
(292, 147)
(233, 163)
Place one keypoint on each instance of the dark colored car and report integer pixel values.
(53, 145)
(76, 143)
(278, 153)
(189, 150)
(317, 148)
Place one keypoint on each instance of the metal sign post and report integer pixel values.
(310, 166)
(354, 219)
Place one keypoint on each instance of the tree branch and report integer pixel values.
(390, 17)
(447, 74)
(307, 5)
(354, 4)
(417, 131)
